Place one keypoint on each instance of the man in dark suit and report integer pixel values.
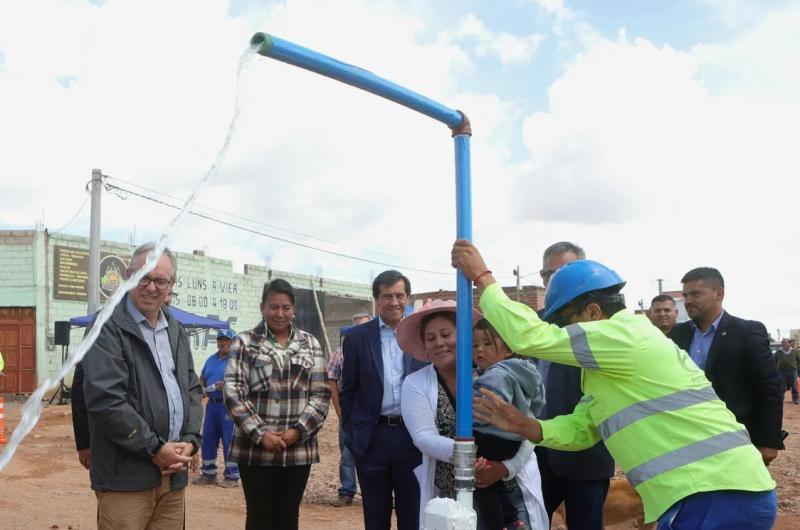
(736, 357)
(372, 374)
(579, 479)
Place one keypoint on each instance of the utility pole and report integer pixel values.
(660, 284)
(519, 286)
(93, 287)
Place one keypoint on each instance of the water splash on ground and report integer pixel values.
(32, 409)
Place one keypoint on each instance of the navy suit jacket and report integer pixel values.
(361, 391)
(562, 394)
(743, 374)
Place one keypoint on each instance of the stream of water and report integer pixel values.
(32, 409)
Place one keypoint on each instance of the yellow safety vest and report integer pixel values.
(644, 397)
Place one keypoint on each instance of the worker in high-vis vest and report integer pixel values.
(690, 461)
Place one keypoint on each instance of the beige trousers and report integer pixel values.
(158, 508)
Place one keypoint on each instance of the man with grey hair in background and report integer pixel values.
(579, 479)
(143, 404)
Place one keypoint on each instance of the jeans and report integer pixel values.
(789, 382)
(347, 468)
(722, 510)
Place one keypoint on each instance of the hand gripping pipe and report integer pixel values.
(287, 52)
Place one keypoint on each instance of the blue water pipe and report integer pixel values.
(282, 50)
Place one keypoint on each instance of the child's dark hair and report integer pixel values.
(486, 326)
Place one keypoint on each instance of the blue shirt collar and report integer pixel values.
(714, 325)
(139, 318)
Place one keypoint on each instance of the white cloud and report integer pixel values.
(508, 48)
(658, 163)
(555, 7)
(655, 159)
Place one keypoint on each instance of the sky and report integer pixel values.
(660, 136)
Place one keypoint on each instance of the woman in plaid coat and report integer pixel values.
(276, 392)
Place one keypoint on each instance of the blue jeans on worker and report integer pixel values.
(347, 468)
(722, 510)
(217, 425)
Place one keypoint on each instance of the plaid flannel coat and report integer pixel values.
(271, 388)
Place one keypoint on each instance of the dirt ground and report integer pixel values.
(44, 487)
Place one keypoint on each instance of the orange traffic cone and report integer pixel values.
(2, 422)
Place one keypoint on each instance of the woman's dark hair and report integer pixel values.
(449, 315)
(277, 286)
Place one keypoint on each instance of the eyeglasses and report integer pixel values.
(545, 274)
(160, 283)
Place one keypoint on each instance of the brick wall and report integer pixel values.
(530, 295)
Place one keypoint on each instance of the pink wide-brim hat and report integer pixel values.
(408, 329)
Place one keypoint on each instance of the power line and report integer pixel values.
(73, 217)
(115, 189)
(257, 222)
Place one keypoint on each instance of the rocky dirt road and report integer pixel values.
(45, 487)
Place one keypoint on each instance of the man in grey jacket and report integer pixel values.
(143, 402)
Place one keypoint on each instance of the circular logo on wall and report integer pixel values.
(112, 270)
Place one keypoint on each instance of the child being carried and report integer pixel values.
(518, 382)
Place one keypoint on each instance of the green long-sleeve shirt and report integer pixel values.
(787, 360)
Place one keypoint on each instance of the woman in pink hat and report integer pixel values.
(428, 407)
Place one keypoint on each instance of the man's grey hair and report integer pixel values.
(147, 248)
(360, 315)
(562, 247)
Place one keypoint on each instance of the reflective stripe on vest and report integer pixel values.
(580, 347)
(687, 455)
(638, 411)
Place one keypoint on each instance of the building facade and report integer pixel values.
(43, 280)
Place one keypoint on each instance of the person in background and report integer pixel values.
(735, 356)
(277, 393)
(347, 468)
(80, 421)
(787, 359)
(143, 403)
(373, 372)
(663, 313)
(579, 479)
(217, 424)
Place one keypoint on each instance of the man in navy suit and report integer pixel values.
(736, 357)
(579, 479)
(372, 374)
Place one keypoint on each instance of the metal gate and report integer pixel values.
(18, 346)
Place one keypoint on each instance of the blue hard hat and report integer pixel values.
(226, 334)
(577, 278)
